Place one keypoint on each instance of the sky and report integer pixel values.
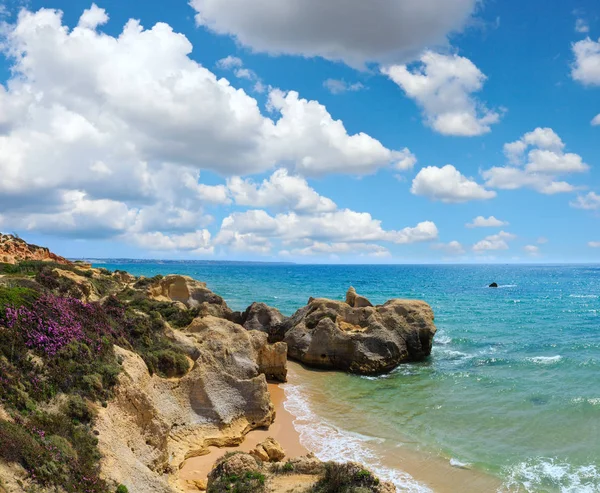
(397, 131)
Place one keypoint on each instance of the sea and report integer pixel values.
(512, 387)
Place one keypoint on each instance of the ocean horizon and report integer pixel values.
(511, 387)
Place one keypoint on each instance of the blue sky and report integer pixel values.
(303, 132)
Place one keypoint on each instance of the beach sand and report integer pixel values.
(282, 430)
(432, 471)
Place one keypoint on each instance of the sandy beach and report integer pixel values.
(429, 470)
(282, 430)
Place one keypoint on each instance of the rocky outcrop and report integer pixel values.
(248, 472)
(356, 300)
(259, 316)
(493, 285)
(14, 249)
(366, 340)
(153, 424)
(192, 293)
(269, 451)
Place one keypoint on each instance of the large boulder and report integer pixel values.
(366, 340)
(269, 450)
(192, 293)
(259, 316)
(356, 300)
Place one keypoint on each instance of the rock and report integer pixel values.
(259, 316)
(356, 300)
(153, 424)
(493, 285)
(269, 451)
(368, 340)
(271, 358)
(197, 484)
(14, 249)
(230, 466)
(123, 277)
(192, 293)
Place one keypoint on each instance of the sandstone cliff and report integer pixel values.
(13, 250)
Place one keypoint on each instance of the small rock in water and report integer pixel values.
(494, 285)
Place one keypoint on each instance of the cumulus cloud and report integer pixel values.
(590, 202)
(494, 242)
(236, 65)
(443, 85)
(118, 146)
(482, 222)
(451, 248)
(448, 185)
(280, 191)
(594, 244)
(532, 250)
(538, 168)
(338, 86)
(596, 120)
(586, 67)
(337, 249)
(352, 31)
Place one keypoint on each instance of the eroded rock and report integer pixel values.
(367, 340)
(269, 451)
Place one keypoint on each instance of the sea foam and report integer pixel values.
(545, 360)
(543, 474)
(330, 443)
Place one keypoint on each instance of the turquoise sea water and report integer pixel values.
(512, 386)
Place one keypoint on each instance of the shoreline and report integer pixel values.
(412, 469)
(282, 430)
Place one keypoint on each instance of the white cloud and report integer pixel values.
(317, 144)
(335, 249)
(443, 85)
(197, 242)
(121, 141)
(596, 120)
(590, 202)
(586, 68)
(280, 191)
(230, 62)
(337, 86)
(482, 222)
(494, 242)
(582, 26)
(532, 250)
(352, 31)
(594, 244)
(337, 227)
(448, 185)
(539, 168)
(542, 240)
(451, 248)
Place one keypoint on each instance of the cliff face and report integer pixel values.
(13, 250)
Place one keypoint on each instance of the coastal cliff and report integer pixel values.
(111, 380)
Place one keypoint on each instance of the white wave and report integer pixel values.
(330, 443)
(442, 339)
(545, 360)
(461, 465)
(543, 474)
(507, 286)
(583, 296)
(593, 401)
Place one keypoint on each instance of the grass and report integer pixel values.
(249, 482)
(346, 478)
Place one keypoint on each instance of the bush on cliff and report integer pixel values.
(346, 478)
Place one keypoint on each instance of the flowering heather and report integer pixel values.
(52, 322)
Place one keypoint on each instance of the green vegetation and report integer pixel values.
(57, 363)
(346, 478)
(249, 482)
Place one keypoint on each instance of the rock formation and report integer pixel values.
(269, 451)
(192, 293)
(14, 249)
(493, 285)
(259, 316)
(367, 340)
(356, 300)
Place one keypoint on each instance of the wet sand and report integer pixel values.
(430, 470)
(281, 430)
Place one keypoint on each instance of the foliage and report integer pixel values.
(122, 489)
(249, 482)
(345, 478)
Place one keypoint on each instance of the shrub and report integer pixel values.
(167, 363)
(78, 409)
(346, 478)
(122, 489)
(249, 482)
